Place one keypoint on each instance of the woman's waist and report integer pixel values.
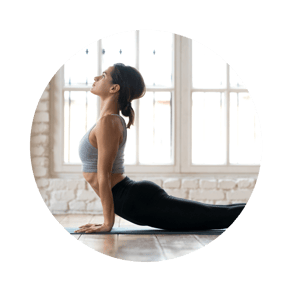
(116, 178)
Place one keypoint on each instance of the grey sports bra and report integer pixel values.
(89, 154)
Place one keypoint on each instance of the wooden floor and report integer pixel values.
(133, 247)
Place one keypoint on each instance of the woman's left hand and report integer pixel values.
(89, 228)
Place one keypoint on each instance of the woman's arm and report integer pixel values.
(108, 136)
(107, 200)
(90, 228)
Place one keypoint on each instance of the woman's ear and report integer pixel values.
(115, 88)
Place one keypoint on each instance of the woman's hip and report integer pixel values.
(133, 198)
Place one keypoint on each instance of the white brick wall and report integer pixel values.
(206, 195)
(227, 184)
(86, 195)
(94, 206)
(171, 183)
(77, 205)
(77, 196)
(190, 183)
(208, 184)
(180, 193)
(242, 194)
(41, 117)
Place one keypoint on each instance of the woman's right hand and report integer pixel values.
(90, 228)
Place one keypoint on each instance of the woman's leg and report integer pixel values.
(149, 204)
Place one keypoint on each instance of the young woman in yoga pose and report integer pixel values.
(101, 151)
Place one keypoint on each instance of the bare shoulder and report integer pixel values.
(108, 121)
(110, 124)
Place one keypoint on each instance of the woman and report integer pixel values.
(102, 153)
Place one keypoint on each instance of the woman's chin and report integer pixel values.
(94, 92)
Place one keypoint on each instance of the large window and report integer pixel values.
(195, 117)
(224, 124)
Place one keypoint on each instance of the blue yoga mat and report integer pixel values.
(149, 230)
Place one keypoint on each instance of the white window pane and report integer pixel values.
(119, 48)
(82, 67)
(155, 61)
(209, 70)
(155, 128)
(245, 138)
(91, 110)
(235, 80)
(80, 111)
(130, 148)
(208, 129)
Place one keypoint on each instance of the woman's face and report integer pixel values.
(103, 84)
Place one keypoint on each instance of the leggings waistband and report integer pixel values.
(120, 193)
(124, 182)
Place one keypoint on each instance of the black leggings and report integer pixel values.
(146, 203)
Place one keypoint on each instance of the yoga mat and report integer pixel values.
(148, 230)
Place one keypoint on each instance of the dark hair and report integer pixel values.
(132, 86)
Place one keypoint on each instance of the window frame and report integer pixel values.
(181, 122)
(186, 115)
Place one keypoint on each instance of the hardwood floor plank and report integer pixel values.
(205, 239)
(106, 243)
(176, 245)
(68, 219)
(128, 247)
(59, 218)
(143, 248)
(76, 236)
(76, 220)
